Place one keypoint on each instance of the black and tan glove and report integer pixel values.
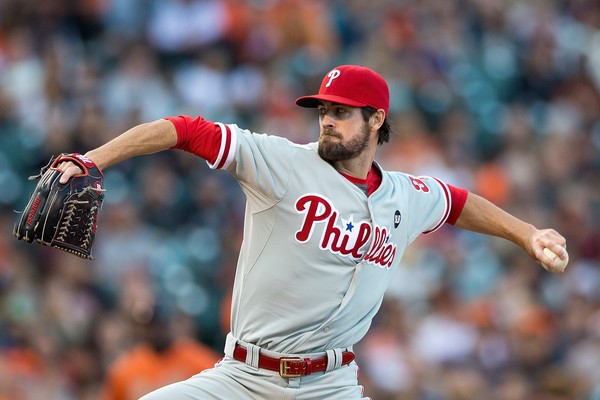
(64, 216)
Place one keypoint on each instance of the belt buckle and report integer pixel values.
(284, 367)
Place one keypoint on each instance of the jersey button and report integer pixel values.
(326, 329)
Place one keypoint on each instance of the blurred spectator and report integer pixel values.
(183, 26)
(135, 91)
(163, 347)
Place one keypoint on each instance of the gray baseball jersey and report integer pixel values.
(317, 253)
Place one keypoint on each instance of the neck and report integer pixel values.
(349, 168)
(357, 167)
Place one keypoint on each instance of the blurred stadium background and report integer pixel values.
(500, 97)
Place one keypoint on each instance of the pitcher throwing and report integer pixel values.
(325, 229)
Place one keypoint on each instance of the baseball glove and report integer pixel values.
(64, 215)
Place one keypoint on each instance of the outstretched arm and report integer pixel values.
(480, 215)
(146, 138)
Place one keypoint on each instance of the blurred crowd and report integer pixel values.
(499, 97)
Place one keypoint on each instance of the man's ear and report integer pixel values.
(376, 119)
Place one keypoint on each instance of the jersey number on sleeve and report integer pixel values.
(419, 185)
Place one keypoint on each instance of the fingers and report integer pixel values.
(68, 170)
(552, 262)
(550, 249)
(559, 250)
(549, 238)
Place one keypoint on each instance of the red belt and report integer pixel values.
(291, 367)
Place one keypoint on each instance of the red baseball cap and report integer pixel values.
(352, 85)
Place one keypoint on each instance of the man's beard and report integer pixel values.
(333, 150)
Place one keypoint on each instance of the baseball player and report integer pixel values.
(325, 229)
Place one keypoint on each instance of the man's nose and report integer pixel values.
(326, 120)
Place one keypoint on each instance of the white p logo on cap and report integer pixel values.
(334, 73)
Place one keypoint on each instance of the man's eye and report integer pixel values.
(340, 111)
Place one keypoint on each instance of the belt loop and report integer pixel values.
(330, 360)
(338, 357)
(334, 359)
(230, 343)
(252, 353)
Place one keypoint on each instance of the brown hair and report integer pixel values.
(385, 129)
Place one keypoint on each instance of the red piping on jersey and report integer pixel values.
(373, 180)
(226, 149)
(353, 179)
(448, 206)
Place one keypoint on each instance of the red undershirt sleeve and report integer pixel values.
(197, 136)
(459, 198)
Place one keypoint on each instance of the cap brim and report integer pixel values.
(313, 101)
